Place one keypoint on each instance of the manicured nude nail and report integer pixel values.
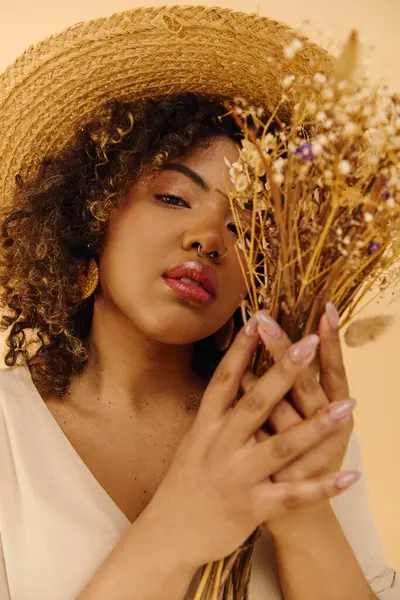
(268, 324)
(251, 326)
(305, 348)
(338, 410)
(346, 479)
(333, 316)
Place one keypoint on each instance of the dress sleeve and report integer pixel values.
(4, 591)
(354, 514)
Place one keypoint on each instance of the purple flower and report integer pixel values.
(385, 195)
(305, 151)
(374, 247)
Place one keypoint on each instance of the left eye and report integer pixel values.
(172, 200)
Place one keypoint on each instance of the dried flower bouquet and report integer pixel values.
(323, 188)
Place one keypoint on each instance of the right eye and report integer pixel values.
(232, 227)
(168, 200)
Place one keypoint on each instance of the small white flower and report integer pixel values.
(269, 142)
(317, 148)
(368, 217)
(250, 154)
(344, 167)
(339, 232)
(278, 164)
(278, 178)
(321, 116)
(288, 80)
(260, 112)
(292, 49)
(391, 202)
(346, 240)
(350, 129)
(328, 123)
(240, 100)
(328, 94)
(322, 139)
(241, 182)
(319, 78)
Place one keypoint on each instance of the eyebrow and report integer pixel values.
(189, 173)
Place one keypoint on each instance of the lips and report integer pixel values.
(202, 274)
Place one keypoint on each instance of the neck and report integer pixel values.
(129, 371)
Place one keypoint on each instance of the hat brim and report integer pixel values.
(55, 87)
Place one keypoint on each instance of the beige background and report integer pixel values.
(374, 370)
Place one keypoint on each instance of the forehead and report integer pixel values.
(205, 164)
(210, 151)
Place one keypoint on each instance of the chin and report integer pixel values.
(174, 325)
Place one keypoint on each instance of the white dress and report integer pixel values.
(57, 524)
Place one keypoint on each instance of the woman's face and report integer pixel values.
(150, 233)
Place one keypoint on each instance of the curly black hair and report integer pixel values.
(57, 222)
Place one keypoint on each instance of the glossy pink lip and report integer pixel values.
(198, 272)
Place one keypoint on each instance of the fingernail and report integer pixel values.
(338, 410)
(332, 315)
(251, 326)
(346, 479)
(270, 326)
(305, 348)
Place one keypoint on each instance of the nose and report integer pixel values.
(209, 233)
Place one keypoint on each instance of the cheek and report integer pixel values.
(131, 254)
(233, 288)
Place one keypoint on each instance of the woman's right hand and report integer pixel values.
(218, 489)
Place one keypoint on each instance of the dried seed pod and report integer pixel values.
(362, 331)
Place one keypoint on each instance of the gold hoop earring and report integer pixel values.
(223, 337)
(89, 282)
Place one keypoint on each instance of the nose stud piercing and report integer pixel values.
(213, 254)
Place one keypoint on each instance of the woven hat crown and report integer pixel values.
(55, 87)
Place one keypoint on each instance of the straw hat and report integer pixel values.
(52, 89)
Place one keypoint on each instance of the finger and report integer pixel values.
(333, 374)
(273, 500)
(275, 453)
(248, 381)
(315, 461)
(283, 415)
(254, 407)
(225, 382)
(307, 395)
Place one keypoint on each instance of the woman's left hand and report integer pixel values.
(309, 396)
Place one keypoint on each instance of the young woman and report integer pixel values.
(125, 461)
